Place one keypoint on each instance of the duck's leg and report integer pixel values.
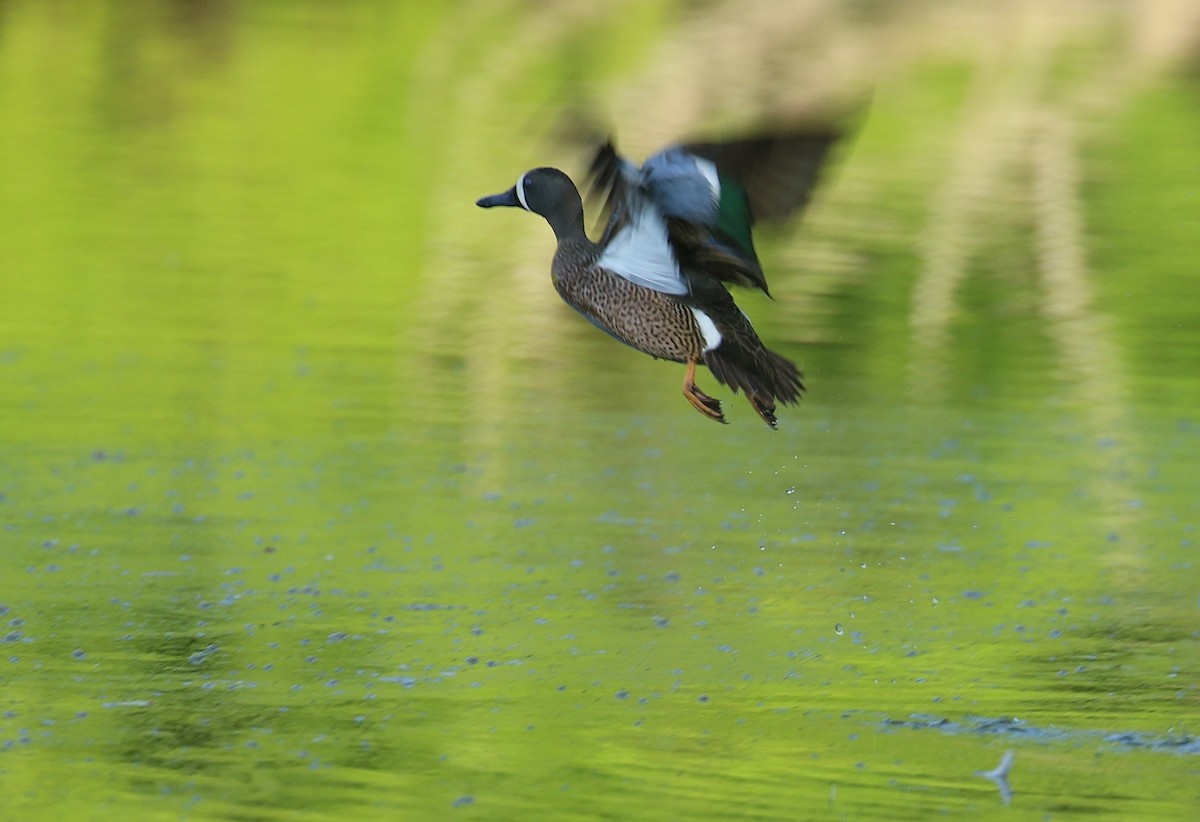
(703, 403)
(764, 406)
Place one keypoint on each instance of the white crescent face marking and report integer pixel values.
(708, 330)
(521, 191)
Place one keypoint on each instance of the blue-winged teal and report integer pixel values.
(678, 231)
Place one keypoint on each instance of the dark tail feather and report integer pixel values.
(763, 375)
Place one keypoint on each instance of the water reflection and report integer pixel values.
(315, 499)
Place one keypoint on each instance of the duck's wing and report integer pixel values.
(640, 250)
(766, 177)
(636, 241)
(661, 223)
(705, 197)
(708, 217)
(776, 171)
(610, 177)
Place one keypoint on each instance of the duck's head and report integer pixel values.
(548, 192)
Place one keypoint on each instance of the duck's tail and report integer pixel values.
(764, 376)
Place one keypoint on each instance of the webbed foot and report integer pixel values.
(706, 405)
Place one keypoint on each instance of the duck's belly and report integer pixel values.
(645, 319)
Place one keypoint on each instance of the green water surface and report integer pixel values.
(316, 503)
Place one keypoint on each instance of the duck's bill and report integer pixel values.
(508, 198)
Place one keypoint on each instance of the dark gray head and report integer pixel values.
(549, 192)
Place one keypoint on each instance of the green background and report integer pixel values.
(316, 503)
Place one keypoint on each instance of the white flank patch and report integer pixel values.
(641, 253)
(708, 329)
(709, 170)
(521, 192)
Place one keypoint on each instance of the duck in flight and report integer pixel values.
(678, 233)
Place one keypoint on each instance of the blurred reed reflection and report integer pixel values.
(975, 171)
(317, 500)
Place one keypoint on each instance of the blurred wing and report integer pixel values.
(778, 172)
(641, 252)
(704, 197)
(680, 194)
(709, 217)
(636, 240)
(611, 177)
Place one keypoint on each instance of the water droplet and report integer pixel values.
(791, 489)
(838, 629)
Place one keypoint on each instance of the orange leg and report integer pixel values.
(703, 403)
(764, 406)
